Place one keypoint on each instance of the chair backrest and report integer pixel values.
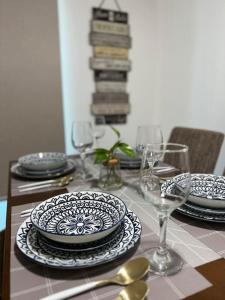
(204, 147)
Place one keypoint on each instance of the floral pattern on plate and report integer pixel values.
(77, 220)
(80, 224)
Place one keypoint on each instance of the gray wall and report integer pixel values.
(30, 88)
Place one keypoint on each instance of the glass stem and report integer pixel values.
(151, 173)
(163, 218)
(82, 156)
(97, 142)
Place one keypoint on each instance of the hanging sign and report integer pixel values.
(111, 41)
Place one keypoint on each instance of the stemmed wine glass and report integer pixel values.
(99, 129)
(82, 139)
(148, 163)
(147, 135)
(170, 192)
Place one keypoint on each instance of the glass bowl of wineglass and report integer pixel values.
(99, 129)
(165, 196)
(147, 135)
(82, 140)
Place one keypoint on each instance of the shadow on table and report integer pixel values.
(133, 185)
(71, 274)
(198, 223)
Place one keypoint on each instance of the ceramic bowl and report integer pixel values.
(43, 161)
(79, 217)
(206, 190)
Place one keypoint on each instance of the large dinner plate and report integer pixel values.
(19, 171)
(27, 242)
(202, 213)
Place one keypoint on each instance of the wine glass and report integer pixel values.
(82, 140)
(99, 129)
(171, 192)
(147, 134)
(151, 135)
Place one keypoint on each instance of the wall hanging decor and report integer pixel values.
(111, 41)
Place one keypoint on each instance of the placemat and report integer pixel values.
(31, 281)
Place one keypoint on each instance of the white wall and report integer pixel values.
(192, 65)
(178, 64)
(78, 83)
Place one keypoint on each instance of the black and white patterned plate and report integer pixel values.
(207, 190)
(84, 246)
(202, 213)
(43, 161)
(17, 170)
(79, 217)
(27, 242)
(43, 173)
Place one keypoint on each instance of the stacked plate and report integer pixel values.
(43, 165)
(127, 162)
(77, 230)
(206, 200)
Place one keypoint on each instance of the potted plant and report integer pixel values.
(110, 178)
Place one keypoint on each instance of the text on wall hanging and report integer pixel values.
(111, 41)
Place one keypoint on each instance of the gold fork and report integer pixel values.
(57, 182)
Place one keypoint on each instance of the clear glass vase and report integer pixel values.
(110, 178)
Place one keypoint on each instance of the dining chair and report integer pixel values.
(204, 147)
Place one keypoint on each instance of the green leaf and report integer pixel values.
(116, 132)
(101, 150)
(114, 147)
(126, 149)
(101, 155)
(100, 158)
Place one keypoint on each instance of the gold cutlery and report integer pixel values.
(137, 290)
(44, 184)
(26, 213)
(130, 272)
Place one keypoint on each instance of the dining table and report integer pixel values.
(201, 244)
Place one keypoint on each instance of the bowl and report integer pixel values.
(43, 161)
(206, 190)
(78, 217)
